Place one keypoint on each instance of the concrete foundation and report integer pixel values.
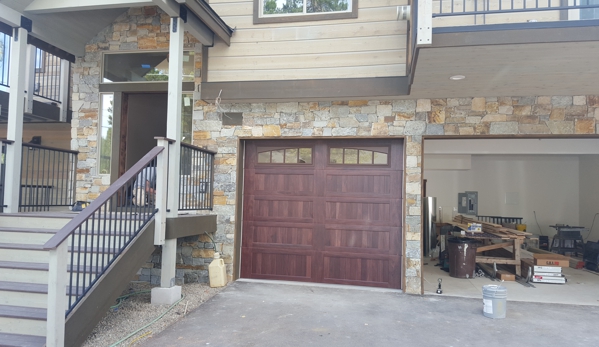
(166, 296)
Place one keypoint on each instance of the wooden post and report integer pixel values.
(16, 103)
(57, 299)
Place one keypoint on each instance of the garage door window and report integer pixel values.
(359, 156)
(285, 155)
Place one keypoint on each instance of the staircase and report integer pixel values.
(24, 277)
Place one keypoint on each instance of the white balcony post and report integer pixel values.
(30, 78)
(424, 32)
(161, 187)
(65, 73)
(16, 107)
(169, 293)
(57, 299)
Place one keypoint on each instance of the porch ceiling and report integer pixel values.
(555, 61)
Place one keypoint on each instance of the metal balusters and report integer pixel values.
(196, 178)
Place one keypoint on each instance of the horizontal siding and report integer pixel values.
(372, 45)
(323, 73)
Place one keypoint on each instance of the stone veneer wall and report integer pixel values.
(147, 28)
(410, 119)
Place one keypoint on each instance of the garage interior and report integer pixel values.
(545, 182)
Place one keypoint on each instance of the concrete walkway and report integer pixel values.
(270, 314)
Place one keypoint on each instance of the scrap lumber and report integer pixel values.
(574, 263)
(492, 228)
(463, 227)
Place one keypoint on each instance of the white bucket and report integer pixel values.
(494, 301)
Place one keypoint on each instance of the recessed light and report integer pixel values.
(457, 77)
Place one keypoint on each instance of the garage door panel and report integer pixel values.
(281, 236)
(360, 240)
(281, 265)
(363, 212)
(288, 209)
(354, 269)
(358, 185)
(283, 184)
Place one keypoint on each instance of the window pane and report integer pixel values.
(318, 6)
(144, 67)
(365, 157)
(336, 156)
(291, 155)
(106, 133)
(351, 156)
(305, 155)
(264, 157)
(283, 6)
(380, 158)
(277, 156)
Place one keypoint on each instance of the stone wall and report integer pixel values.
(410, 119)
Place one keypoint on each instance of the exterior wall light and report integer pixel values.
(457, 77)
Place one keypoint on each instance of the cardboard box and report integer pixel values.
(550, 279)
(475, 227)
(537, 269)
(551, 260)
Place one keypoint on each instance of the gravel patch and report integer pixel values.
(135, 311)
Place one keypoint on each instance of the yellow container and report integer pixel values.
(217, 272)
(521, 227)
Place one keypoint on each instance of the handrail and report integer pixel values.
(472, 7)
(196, 177)
(88, 212)
(50, 148)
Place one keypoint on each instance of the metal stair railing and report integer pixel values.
(98, 235)
(47, 177)
(196, 177)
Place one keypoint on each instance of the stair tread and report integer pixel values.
(23, 246)
(23, 265)
(33, 313)
(29, 230)
(17, 340)
(24, 287)
(31, 288)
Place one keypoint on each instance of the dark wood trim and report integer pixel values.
(238, 210)
(197, 148)
(82, 217)
(305, 17)
(51, 148)
(94, 306)
(117, 107)
(50, 49)
(140, 87)
(189, 225)
(122, 155)
(519, 33)
(204, 71)
(210, 18)
(6, 29)
(306, 90)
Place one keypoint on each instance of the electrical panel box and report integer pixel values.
(468, 203)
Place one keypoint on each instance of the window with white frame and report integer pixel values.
(269, 11)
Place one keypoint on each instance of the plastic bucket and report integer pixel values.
(494, 301)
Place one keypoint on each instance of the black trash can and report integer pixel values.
(462, 257)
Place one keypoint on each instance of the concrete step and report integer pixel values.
(22, 320)
(18, 340)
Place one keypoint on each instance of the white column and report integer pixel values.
(65, 74)
(16, 103)
(169, 293)
(57, 300)
(30, 78)
(161, 187)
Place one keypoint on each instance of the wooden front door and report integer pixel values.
(326, 211)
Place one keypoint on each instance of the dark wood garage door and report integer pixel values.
(326, 211)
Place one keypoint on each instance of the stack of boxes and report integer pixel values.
(546, 268)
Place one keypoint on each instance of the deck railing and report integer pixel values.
(196, 177)
(47, 75)
(505, 10)
(47, 178)
(102, 231)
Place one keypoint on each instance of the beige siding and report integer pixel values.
(372, 45)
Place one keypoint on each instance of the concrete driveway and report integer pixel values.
(274, 314)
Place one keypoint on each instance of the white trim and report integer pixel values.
(10, 16)
(261, 14)
(57, 300)
(53, 6)
(65, 72)
(30, 78)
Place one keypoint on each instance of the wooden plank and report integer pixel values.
(496, 260)
(505, 275)
(320, 32)
(285, 48)
(327, 60)
(494, 246)
(300, 74)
